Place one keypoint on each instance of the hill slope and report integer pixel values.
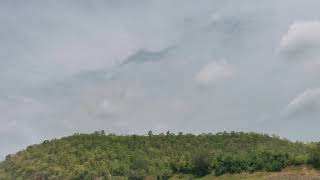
(92, 156)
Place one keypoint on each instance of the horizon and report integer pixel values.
(134, 66)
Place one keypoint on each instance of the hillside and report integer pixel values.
(100, 156)
(290, 173)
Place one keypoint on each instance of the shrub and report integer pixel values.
(201, 164)
(268, 161)
(314, 155)
(230, 165)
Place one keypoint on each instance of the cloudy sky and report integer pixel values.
(132, 66)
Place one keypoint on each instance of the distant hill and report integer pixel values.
(101, 156)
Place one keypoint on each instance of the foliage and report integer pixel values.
(101, 156)
(314, 153)
(201, 163)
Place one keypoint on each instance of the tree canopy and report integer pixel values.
(102, 156)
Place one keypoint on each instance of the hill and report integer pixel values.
(101, 156)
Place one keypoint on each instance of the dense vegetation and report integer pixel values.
(100, 156)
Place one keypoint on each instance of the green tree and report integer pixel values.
(314, 155)
(201, 163)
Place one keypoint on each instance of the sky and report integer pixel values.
(132, 66)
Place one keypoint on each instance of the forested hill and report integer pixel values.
(100, 156)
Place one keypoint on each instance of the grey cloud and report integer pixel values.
(148, 56)
(130, 66)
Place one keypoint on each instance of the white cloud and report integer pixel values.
(214, 72)
(108, 108)
(307, 102)
(302, 37)
(214, 18)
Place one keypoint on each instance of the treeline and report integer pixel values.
(101, 156)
